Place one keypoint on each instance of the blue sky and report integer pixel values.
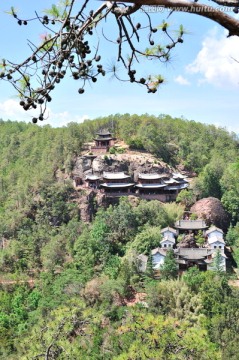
(202, 80)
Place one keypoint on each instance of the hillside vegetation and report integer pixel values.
(66, 284)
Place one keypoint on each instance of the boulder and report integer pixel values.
(211, 210)
(82, 164)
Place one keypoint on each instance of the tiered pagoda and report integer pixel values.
(103, 141)
(116, 183)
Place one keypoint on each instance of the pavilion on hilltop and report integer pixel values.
(103, 141)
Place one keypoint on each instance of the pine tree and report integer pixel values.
(217, 263)
(169, 269)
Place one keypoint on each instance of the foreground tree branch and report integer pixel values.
(209, 12)
(71, 46)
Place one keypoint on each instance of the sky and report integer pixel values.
(201, 80)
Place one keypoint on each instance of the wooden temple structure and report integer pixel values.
(92, 181)
(116, 183)
(103, 141)
(162, 187)
(189, 254)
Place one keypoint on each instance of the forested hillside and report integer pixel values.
(66, 284)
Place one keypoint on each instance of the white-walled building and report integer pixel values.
(168, 231)
(202, 257)
(158, 256)
(214, 232)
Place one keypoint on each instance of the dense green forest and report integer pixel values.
(65, 283)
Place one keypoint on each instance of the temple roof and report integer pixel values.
(164, 175)
(103, 138)
(103, 132)
(168, 228)
(149, 176)
(176, 187)
(115, 175)
(171, 181)
(150, 186)
(92, 177)
(117, 185)
(179, 176)
(212, 229)
(159, 250)
(168, 238)
(190, 224)
(193, 253)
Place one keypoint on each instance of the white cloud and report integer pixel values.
(214, 62)
(62, 118)
(11, 110)
(181, 80)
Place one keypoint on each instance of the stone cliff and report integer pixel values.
(132, 163)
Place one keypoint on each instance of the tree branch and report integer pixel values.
(214, 14)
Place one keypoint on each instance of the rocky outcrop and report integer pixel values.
(83, 165)
(131, 163)
(88, 202)
(211, 210)
(188, 241)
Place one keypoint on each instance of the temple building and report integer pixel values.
(103, 141)
(150, 184)
(92, 181)
(174, 185)
(117, 183)
(169, 237)
(190, 225)
(162, 187)
(215, 238)
(188, 255)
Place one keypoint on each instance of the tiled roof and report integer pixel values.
(149, 176)
(103, 132)
(213, 228)
(103, 138)
(92, 177)
(171, 181)
(168, 238)
(158, 250)
(115, 175)
(193, 253)
(150, 186)
(117, 185)
(190, 224)
(168, 228)
(177, 187)
(178, 176)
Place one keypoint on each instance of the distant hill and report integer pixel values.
(68, 265)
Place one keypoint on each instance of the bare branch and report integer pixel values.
(220, 17)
